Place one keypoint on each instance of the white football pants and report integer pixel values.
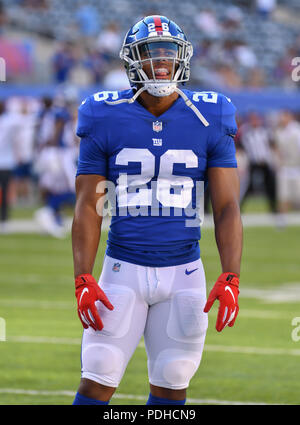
(163, 304)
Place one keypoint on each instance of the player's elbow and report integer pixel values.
(86, 213)
(229, 210)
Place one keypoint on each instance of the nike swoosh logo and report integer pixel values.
(82, 293)
(227, 288)
(191, 271)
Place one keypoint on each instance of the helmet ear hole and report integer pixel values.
(187, 72)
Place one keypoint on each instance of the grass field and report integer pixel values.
(256, 361)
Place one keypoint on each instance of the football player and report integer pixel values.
(156, 143)
(55, 162)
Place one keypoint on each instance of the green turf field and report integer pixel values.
(256, 361)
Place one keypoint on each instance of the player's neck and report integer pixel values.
(157, 105)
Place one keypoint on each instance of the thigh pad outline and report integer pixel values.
(187, 322)
(116, 322)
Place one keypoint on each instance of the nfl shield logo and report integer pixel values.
(157, 126)
(116, 267)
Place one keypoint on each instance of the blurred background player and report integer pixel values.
(287, 146)
(256, 140)
(56, 159)
(25, 120)
(8, 151)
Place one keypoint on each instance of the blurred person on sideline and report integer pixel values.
(242, 160)
(257, 143)
(8, 161)
(26, 120)
(44, 124)
(56, 164)
(287, 145)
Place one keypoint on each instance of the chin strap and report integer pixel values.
(177, 90)
(192, 106)
(130, 100)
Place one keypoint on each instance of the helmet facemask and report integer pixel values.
(159, 64)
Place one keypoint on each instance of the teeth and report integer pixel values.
(161, 71)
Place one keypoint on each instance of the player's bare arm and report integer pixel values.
(224, 191)
(86, 228)
(86, 232)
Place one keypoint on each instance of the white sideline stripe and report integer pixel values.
(249, 220)
(258, 314)
(43, 305)
(252, 350)
(121, 396)
(208, 347)
(44, 340)
(285, 293)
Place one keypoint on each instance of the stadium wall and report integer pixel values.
(262, 101)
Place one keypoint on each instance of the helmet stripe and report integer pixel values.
(157, 22)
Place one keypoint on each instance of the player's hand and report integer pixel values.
(226, 290)
(87, 293)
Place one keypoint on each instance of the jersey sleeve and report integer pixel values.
(85, 119)
(221, 150)
(92, 157)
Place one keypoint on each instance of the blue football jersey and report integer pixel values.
(157, 165)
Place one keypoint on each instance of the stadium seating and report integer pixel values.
(269, 40)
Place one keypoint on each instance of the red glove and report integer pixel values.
(226, 290)
(87, 293)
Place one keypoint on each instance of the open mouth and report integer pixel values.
(162, 73)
